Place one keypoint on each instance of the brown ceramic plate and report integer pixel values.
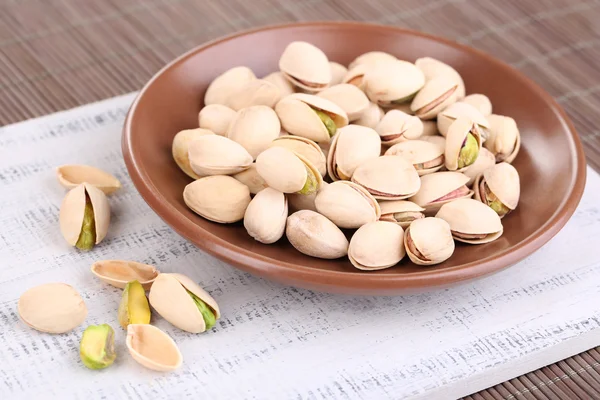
(551, 162)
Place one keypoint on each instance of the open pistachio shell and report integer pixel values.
(504, 139)
(71, 176)
(257, 92)
(460, 109)
(218, 198)
(227, 83)
(217, 155)
(390, 82)
(313, 234)
(463, 143)
(430, 128)
(440, 188)
(356, 76)
(348, 97)
(266, 215)
(52, 308)
(426, 157)
(252, 179)
(401, 212)
(97, 346)
(396, 126)
(153, 348)
(437, 94)
(485, 160)
(428, 241)
(471, 221)
(306, 66)
(371, 116)
(371, 58)
(377, 245)
(118, 272)
(288, 172)
(499, 187)
(134, 308)
(279, 80)
(433, 68)
(254, 128)
(338, 71)
(306, 148)
(388, 178)
(352, 146)
(347, 204)
(481, 102)
(215, 118)
(181, 145)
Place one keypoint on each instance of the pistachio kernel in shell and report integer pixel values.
(469, 152)
(87, 237)
(207, 314)
(327, 121)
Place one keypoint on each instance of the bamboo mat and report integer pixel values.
(58, 54)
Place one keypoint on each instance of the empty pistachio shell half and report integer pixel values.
(433, 68)
(266, 215)
(257, 92)
(397, 126)
(215, 118)
(499, 187)
(217, 155)
(153, 348)
(181, 145)
(52, 308)
(460, 109)
(352, 146)
(217, 198)
(306, 66)
(485, 160)
(426, 157)
(371, 57)
(134, 308)
(440, 188)
(437, 94)
(481, 102)
(393, 82)
(430, 128)
(504, 139)
(252, 179)
(347, 204)
(338, 71)
(348, 97)
(84, 216)
(428, 241)
(401, 212)
(463, 143)
(97, 346)
(388, 178)
(279, 80)
(356, 76)
(255, 128)
(371, 116)
(377, 245)
(118, 272)
(471, 221)
(306, 148)
(227, 83)
(71, 176)
(313, 234)
(288, 172)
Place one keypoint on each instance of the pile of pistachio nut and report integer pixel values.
(391, 151)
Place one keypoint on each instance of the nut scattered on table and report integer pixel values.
(153, 348)
(97, 346)
(134, 308)
(71, 176)
(119, 272)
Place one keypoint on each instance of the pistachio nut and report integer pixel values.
(305, 66)
(257, 92)
(428, 241)
(481, 102)
(313, 234)
(460, 109)
(401, 212)
(463, 143)
(471, 221)
(218, 198)
(52, 308)
(426, 157)
(266, 215)
(499, 187)
(181, 144)
(432, 68)
(356, 76)
(404, 107)
(393, 82)
(338, 71)
(97, 346)
(152, 348)
(310, 116)
(438, 140)
(352, 146)
(134, 308)
(118, 273)
(227, 83)
(254, 128)
(347, 204)
(306, 148)
(396, 126)
(84, 216)
(377, 245)
(71, 176)
(299, 202)
(183, 303)
(388, 178)
(279, 80)
(440, 188)
(348, 97)
(437, 94)
(288, 172)
(252, 179)
(215, 118)
(504, 140)
(371, 116)
(485, 160)
(217, 155)
(371, 58)
(430, 128)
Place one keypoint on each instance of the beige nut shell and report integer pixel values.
(371, 116)
(437, 94)
(503, 180)
(227, 83)
(284, 170)
(433, 68)
(306, 148)
(484, 160)
(469, 216)
(216, 118)
(152, 348)
(460, 128)
(347, 204)
(338, 71)
(119, 272)
(437, 185)
(266, 216)
(255, 128)
(397, 126)
(218, 198)
(313, 234)
(432, 238)
(353, 145)
(460, 109)
(302, 62)
(418, 152)
(388, 178)
(348, 97)
(254, 93)
(72, 211)
(481, 102)
(392, 80)
(181, 145)
(252, 179)
(279, 80)
(504, 139)
(70, 176)
(377, 245)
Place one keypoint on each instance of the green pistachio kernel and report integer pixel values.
(207, 314)
(312, 182)
(134, 307)
(469, 152)
(327, 121)
(97, 347)
(87, 236)
(497, 206)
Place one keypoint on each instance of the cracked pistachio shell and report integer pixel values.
(401, 212)
(430, 128)
(313, 234)
(252, 179)
(504, 139)
(396, 126)
(152, 348)
(459, 109)
(170, 297)
(288, 172)
(134, 307)
(393, 81)
(437, 94)
(181, 145)
(432, 68)
(254, 128)
(428, 241)
(377, 245)
(352, 146)
(266, 215)
(218, 198)
(348, 97)
(72, 211)
(356, 76)
(298, 117)
(456, 141)
(426, 157)
(338, 71)
(217, 155)
(227, 83)
(118, 273)
(305, 66)
(371, 116)
(97, 346)
(52, 308)
(471, 221)
(504, 184)
(440, 188)
(306, 148)
(485, 160)
(388, 178)
(481, 102)
(257, 92)
(70, 176)
(371, 58)
(347, 204)
(299, 202)
(216, 118)
(279, 80)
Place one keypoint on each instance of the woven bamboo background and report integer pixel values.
(58, 54)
